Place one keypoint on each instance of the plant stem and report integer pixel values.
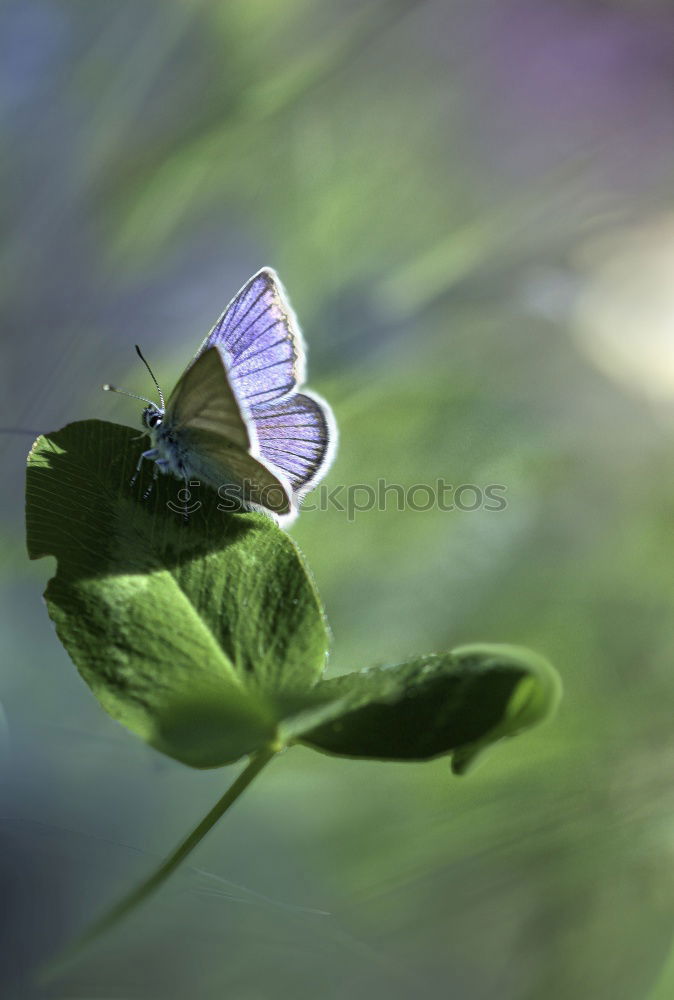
(149, 885)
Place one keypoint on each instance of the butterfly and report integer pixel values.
(236, 420)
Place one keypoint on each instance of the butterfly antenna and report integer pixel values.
(161, 394)
(123, 392)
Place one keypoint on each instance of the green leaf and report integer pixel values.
(458, 703)
(190, 634)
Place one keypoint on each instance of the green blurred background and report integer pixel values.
(469, 202)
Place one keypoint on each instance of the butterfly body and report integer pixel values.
(235, 419)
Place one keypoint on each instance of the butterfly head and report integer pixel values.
(152, 416)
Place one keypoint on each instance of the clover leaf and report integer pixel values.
(206, 637)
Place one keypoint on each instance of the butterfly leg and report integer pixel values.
(160, 465)
(149, 489)
(152, 453)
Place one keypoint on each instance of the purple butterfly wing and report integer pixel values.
(260, 340)
(297, 436)
(261, 344)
